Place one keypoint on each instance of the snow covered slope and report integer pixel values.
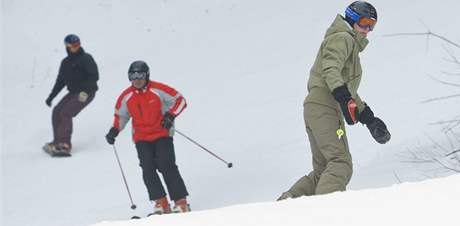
(242, 66)
(427, 203)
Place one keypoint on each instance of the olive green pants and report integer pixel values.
(332, 164)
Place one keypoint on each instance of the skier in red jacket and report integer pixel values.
(153, 107)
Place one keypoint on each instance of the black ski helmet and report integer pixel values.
(359, 9)
(138, 68)
(72, 39)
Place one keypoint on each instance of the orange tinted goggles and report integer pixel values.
(365, 22)
(72, 45)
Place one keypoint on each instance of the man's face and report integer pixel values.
(73, 48)
(361, 30)
(138, 83)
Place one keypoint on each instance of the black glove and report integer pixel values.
(366, 116)
(48, 101)
(347, 104)
(168, 120)
(379, 131)
(110, 137)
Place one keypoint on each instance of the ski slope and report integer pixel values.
(242, 66)
(424, 203)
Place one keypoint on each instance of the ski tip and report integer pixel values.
(135, 217)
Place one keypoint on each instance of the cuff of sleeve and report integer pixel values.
(341, 93)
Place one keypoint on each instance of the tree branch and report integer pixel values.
(397, 177)
(453, 152)
(445, 122)
(444, 82)
(447, 167)
(428, 34)
(440, 98)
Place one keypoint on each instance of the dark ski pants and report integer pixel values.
(159, 155)
(63, 113)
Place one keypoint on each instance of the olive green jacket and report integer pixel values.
(337, 63)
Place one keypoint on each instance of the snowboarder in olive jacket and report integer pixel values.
(332, 96)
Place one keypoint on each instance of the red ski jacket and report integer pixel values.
(146, 107)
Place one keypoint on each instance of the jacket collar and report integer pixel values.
(340, 25)
(78, 53)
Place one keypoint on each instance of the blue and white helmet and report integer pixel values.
(359, 9)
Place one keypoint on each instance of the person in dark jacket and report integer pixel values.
(78, 72)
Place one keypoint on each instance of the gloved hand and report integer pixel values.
(379, 131)
(376, 126)
(168, 120)
(48, 101)
(110, 137)
(366, 116)
(83, 96)
(347, 104)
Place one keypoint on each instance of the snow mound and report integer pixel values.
(430, 202)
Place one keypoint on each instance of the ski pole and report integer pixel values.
(133, 206)
(229, 164)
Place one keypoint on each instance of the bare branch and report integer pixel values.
(435, 143)
(452, 126)
(447, 167)
(397, 177)
(445, 122)
(449, 140)
(453, 152)
(407, 34)
(418, 161)
(450, 73)
(424, 24)
(440, 98)
(456, 136)
(428, 34)
(452, 57)
(443, 82)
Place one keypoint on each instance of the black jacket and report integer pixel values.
(78, 72)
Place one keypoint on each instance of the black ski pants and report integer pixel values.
(159, 155)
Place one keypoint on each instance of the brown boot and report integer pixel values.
(57, 150)
(181, 206)
(62, 149)
(285, 195)
(161, 207)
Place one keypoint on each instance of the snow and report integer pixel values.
(424, 203)
(242, 66)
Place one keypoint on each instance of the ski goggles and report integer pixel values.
(366, 23)
(72, 45)
(137, 75)
(361, 21)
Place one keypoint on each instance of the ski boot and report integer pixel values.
(49, 148)
(181, 206)
(161, 207)
(62, 150)
(57, 150)
(285, 195)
